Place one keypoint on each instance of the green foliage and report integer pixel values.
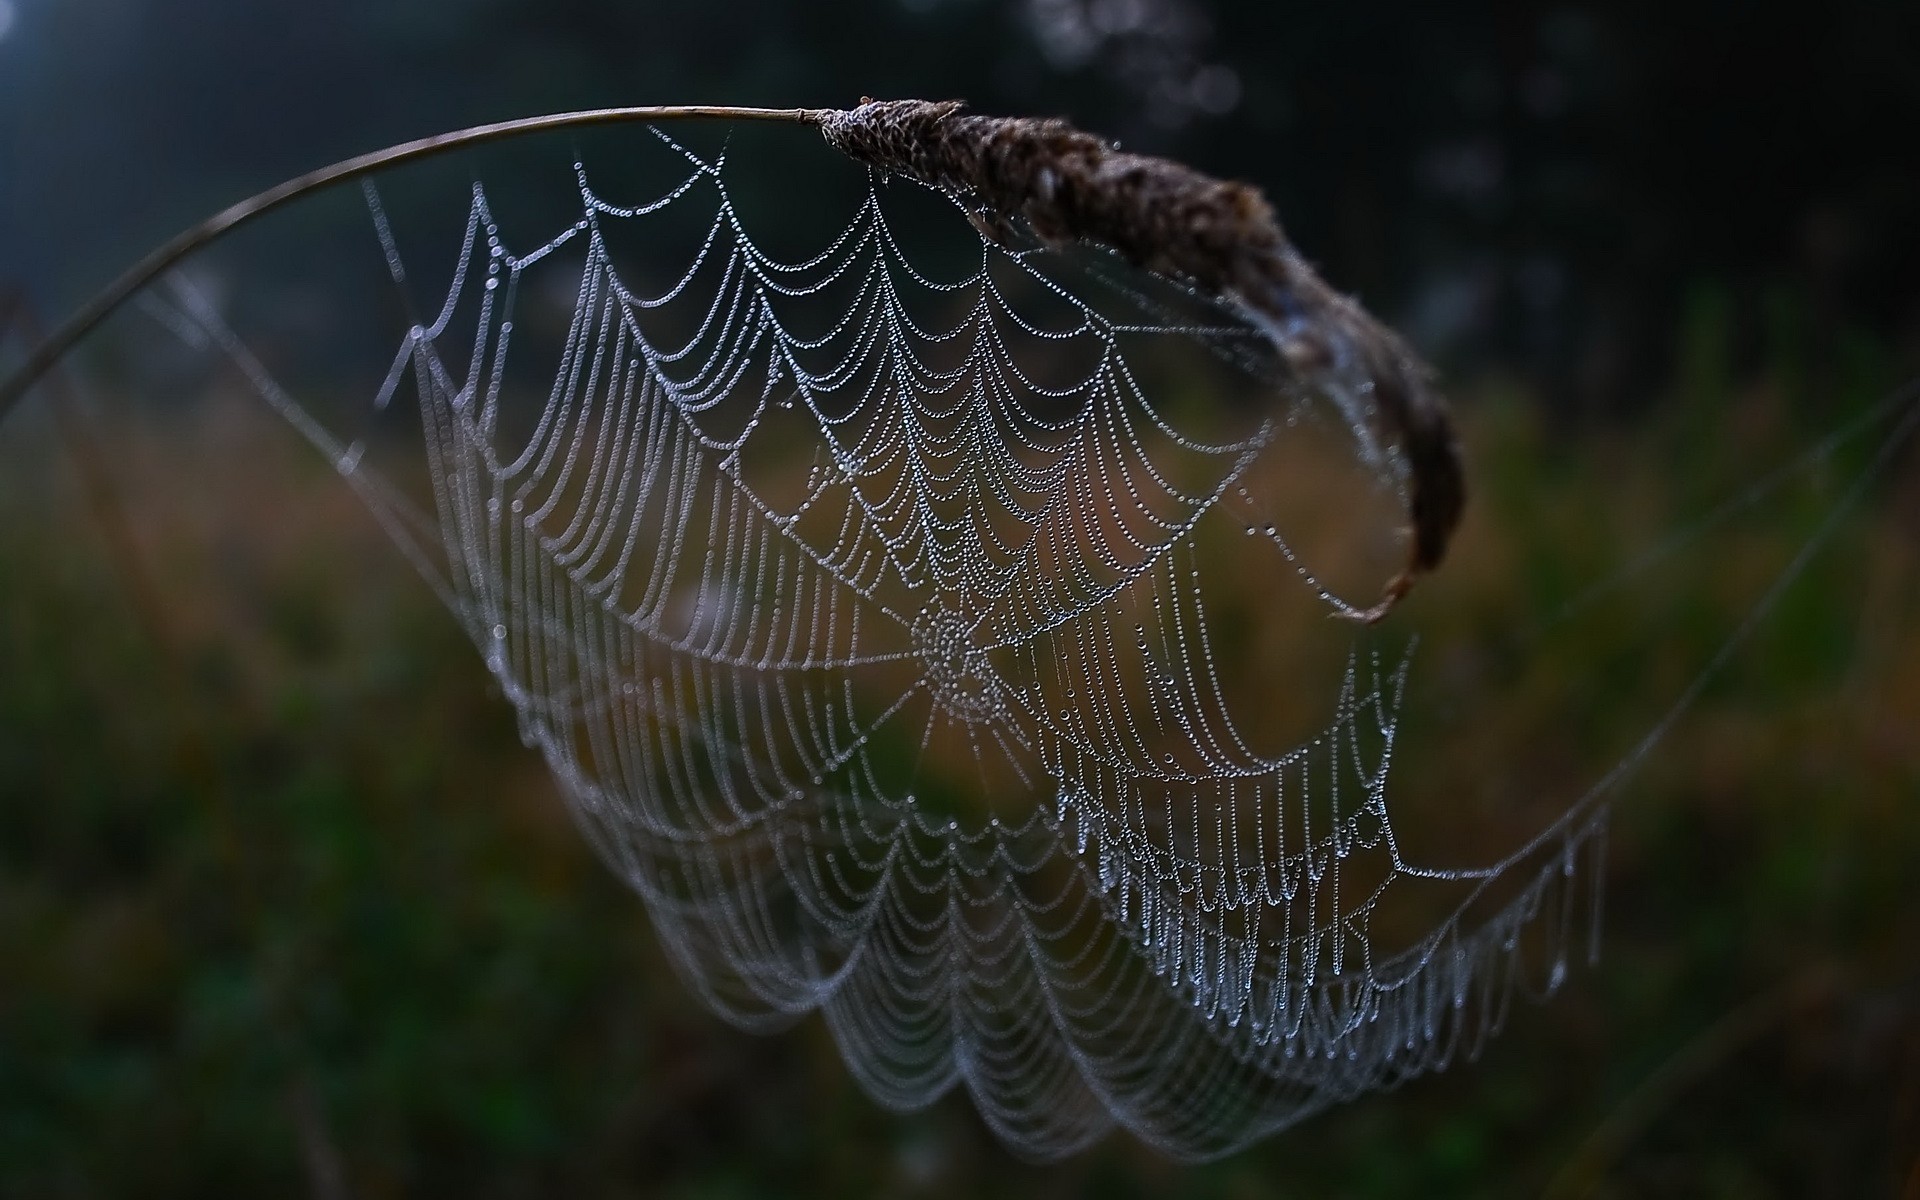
(282, 894)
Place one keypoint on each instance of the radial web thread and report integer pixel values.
(866, 621)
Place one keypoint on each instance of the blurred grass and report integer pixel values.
(286, 908)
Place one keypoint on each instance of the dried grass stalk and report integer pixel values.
(1069, 186)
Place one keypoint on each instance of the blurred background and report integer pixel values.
(286, 908)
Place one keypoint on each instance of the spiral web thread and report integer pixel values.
(927, 733)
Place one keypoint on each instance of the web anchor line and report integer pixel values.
(870, 620)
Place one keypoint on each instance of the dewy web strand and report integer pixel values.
(869, 619)
(921, 726)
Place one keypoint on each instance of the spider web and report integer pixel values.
(886, 629)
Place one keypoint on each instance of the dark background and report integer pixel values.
(1542, 187)
(285, 908)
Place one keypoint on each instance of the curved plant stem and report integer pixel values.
(103, 305)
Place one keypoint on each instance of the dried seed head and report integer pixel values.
(1221, 236)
